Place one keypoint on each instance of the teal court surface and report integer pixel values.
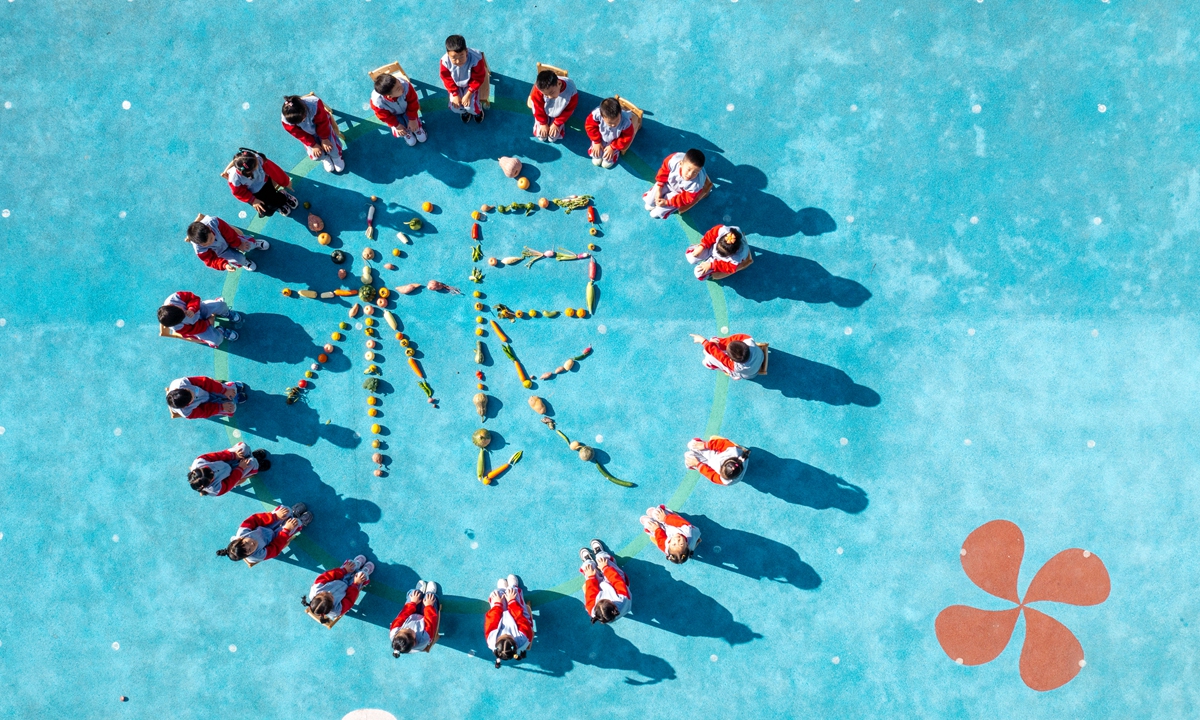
(972, 486)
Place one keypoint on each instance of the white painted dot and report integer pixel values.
(126, 105)
(242, 214)
(358, 326)
(970, 331)
(967, 441)
(116, 538)
(1087, 554)
(713, 658)
(853, 108)
(350, 651)
(1102, 108)
(844, 441)
(958, 660)
(122, 214)
(1097, 220)
(835, 660)
(599, 438)
(962, 551)
(237, 433)
(839, 551)
(727, 218)
(474, 546)
(2, 431)
(8, 104)
(233, 648)
(5, 212)
(116, 646)
(1095, 332)
(729, 107)
(3, 322)
(724, 328)
(1083, 663)
(117, 432)
(976, 109)
(245, 106)
(974, 219)
(849, 331)
(603, 217)
(1091, 443)
(717, 549)
(1, 536)
(120, 323)
(602, 329)
(849, 218)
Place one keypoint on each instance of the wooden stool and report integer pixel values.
(741, 266)
(540, 67)
(708, 186)
(393, 69)
(327, 623)
(164, 331)
(766, 354)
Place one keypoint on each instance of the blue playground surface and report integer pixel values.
(972, 263)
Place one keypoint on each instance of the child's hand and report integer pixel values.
(326, 146)
(360, 578)
(281, 512)
(588, 570)
(543, 131)
(658, 513)
(414, 596)
(596, 150)
(602, 561)
(414, 125)
(397, 131)
(696, 338)
(242, 450)
(291, 526)
(690, 462)
(228, 408)
(494, 598)
(660, 202)
(259, 206)
(695, 444)
(556, 131)
(454, 101)
(466, 99)
(510, 594)
(430, 599)
(611, 153)
(230, 391)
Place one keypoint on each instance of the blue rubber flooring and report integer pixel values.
(974, 230)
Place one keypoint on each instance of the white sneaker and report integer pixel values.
(431, 587)
(250, 266)
(339, 165)
(514, 582)
(262, 245)
(421, 586)
(327, 163)
(607, 164)
(501, 585)
(410, 139)
(596, 161)
(359, 561)
(368, 568)
(420, 133)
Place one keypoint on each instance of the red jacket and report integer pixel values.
(208, 409)
(231, 237)
(717, 348)
(718, 265)
(674, 520)
(715, 444)
(236, 474)
(683, 198)
(191, 303)
(274, 173)
(478, 75)
(539, 108)
(338, 573)
(491, 620)
(430, 614)
(591, 586)
(413, 106)
(323, 120)
(281, 538)
(592, 127)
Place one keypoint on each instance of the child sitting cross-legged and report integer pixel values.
(677, 185)
(722, 249)
(193, 318)
(611, 130)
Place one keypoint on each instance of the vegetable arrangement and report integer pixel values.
(587, 454)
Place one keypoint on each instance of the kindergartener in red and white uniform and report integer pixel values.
(195, 319)
(263, 536)
(257, 181)
(308, 120)
(678, 184)
(605, 586)
(198, 397)
(553, 100)
(611, 130)
(463, 71)
(216, 473)
(220, 246)
(508, 624)
(334, 591)
(719, 459)
(414, 631)
(395, 103)
(674, 536)
(722, 249)
(738, 356)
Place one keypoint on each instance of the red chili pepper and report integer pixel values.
(479, 374)
(591, 213)
(592, 269)
(474, 231)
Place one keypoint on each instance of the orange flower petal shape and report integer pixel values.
(1051, 655)
(991, 557)
(1074, 576)
(971, 636)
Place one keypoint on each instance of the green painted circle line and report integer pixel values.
(536, 598)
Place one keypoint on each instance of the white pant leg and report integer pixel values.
(212, 337)
(233, 257)
(648, 199)
(217, 307)
(659, 213)
(697, 253)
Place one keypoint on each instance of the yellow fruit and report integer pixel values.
(324, 239)
(369, 322)
(480, 386)
(287, 292)
(478, 307)
(533, 313)
(396, 252)
(569, 312)
(593, 231)
(344, 325)
(372, 412)
(427, 206)
(309, 374)
(523, 183)
(480, 320)
(376, 429)
(527, 384)
(368, 331)
(409, 352)
(581, 313)
(400, 337)
(372, 400)
(592, 247)
(336, 336)
(375, 444)
(479, 331)
(520, 313)
(477, 294)
(475, 215)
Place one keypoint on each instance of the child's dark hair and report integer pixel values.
(605, 611)
(179, 398)
(402, 642)
(739, 351)
(198, 232)
(321, 604)
(695, 157)
(246, 161)
(731, 468)
(610, 108)
(294, 109)
(546, 79)
(235, 550)
(456, 43)
(506, 649)
(681, 558)
(200, 478)
(170, 315)
(385, 83)
(729, 246)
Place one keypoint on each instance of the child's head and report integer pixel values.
(506, 648)
(294, 110)
(731, 468)
(456, 49)
(238, 549)
(403, 642)
(605, 611)
(693, 160)
(677, 549)
(179, 398)
(245, 162)
(730, 243)
(547, 83)
(387, 85)
(738, 351)
(200, 234)
(200, 478)
(610, 111)
(264, 463)
(170, 315)
(321, 604)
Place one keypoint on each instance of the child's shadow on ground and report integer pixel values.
(672, 605)
(776, 276)
(751, 555)
(272, 338)
(270, 417)
(801, 484)
(796, 377)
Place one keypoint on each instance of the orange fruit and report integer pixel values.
(322, 358)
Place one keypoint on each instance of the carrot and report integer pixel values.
(521, 372)
(496, 472)
(416, 367)
(341, 292)
(499, 333)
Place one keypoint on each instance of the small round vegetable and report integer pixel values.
(528, 384)
(485, 208)
(569, 312)
(309, 374)
(427, 206)
(344, 325)
(479, 331)
(379, 472)
(475, 215)
(324, 239)
(307, 205)
(409, 352)
(368, 356)
(520, 313)
(593, 231)
(401, 338)
(480, 386)
(396, 252)
(543, 203)
(581, 313)
(368, 254)
(384, 292)
(479, 319)
(370, 344)
(336, 336)
(377, 458)
(328, 348)
(342, 273)
(372, 400)
(368, 310)
(575, 445)
(533, 313)
(592, 247)
(314, 367)
(374, 198)
(375, 443)
(302, 384)
(376, 428)
(369, 322)
(523, 183)
(372, 412)
(369, 332)
(481, 438)
(585, 453)
(287, 292)
(477, 294)
(478, 307)
(493, 261)
(382, 302)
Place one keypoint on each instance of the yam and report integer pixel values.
(570, 363)
(538, 404)
(354, 309)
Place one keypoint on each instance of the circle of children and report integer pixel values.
(255, 180)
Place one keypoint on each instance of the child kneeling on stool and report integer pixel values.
(412, 631)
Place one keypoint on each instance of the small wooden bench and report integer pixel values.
(540, 67)
(393, 69)
(741, 266)
(766, 355)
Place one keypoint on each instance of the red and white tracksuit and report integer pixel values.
(558, 110)
(227, 250)
(243, 187)
(316, 126)
(397, 112)
(509, 618)
(671, 525)
(200, 325)
(617, 137)
(343, 589)
(708, 457)
(208, 397)
(609, 583)
(226, 468)
(707, 249)
(267, 530)
(716, 357)
(678, 191)
(459, 79)
(424, 624)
